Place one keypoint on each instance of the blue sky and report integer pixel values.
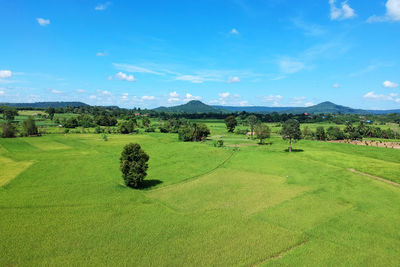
(226, 52)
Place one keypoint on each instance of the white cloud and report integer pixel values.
(5, 74)
(100, 54)
(234, 31)
(189, 97)
(125, 94)
(243, 103)
(124, 97)
(272, 98)
(54, 91)
(291, 66)
(392, 12)
(105, 92)
(1, 92)
(389, 84)
(92, 97)
(133, 68)
(43, 22)
(190, 78)
(147, 97)
(173, 97)
(234, 79)
(124, 77)
(80, 90)
(336, 85)
(309, 104)
(102, 7)
(372, 95)
(341, 13)
(224, 95)
(174, 94)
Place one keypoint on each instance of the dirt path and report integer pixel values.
(375, 177)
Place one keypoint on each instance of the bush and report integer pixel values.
(219, 143)
(127, 127)
(193, 132)
(30, 126)
(242, 131)
(133, 165)
(9, 130)
(150, 130)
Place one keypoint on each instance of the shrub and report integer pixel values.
(219, 143)
(193, 132)
(241, 131)
(9, 130)
(231, 123)
(133, 165)
(29, 126)
(150, 130)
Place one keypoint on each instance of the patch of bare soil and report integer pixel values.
(375, 177)
(395, 145)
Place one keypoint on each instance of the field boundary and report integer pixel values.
(374, 177)
(280, 254)
(196, 176)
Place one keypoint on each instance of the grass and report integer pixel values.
(64, 203)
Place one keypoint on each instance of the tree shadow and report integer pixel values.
(294, 150)
(147, 184)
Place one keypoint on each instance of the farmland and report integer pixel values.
(63, 202)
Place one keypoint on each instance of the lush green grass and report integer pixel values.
(64, 203)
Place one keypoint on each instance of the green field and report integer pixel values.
(63, 202)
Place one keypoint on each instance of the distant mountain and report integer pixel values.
(255, 109)
(45, 104)
(324, 107)
(193, 106)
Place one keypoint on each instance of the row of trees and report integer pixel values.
(29, 128)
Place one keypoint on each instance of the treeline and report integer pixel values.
(350, 132)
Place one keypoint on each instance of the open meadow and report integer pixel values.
(63, 202)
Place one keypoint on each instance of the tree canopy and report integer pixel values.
(133, 165)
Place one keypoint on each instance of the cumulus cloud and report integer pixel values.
(336, 85)
(309, 104)
(234, 79)
(101, 7)
(1, 92)
(148, 97)
(341, 13)
(100, 54)
(80, 90)
(173, 97)
(92, 97)
(389, 84)
(43, 22)
(189, 97)
(124, 77)
(4, 74)
(392, 12)
(390, 97)
(224, 95)
(291, 66)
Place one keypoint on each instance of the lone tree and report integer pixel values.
(30, 126)
(262, 132)
(252, 119)
(231, 123)
(291, 131)
(133, 165)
